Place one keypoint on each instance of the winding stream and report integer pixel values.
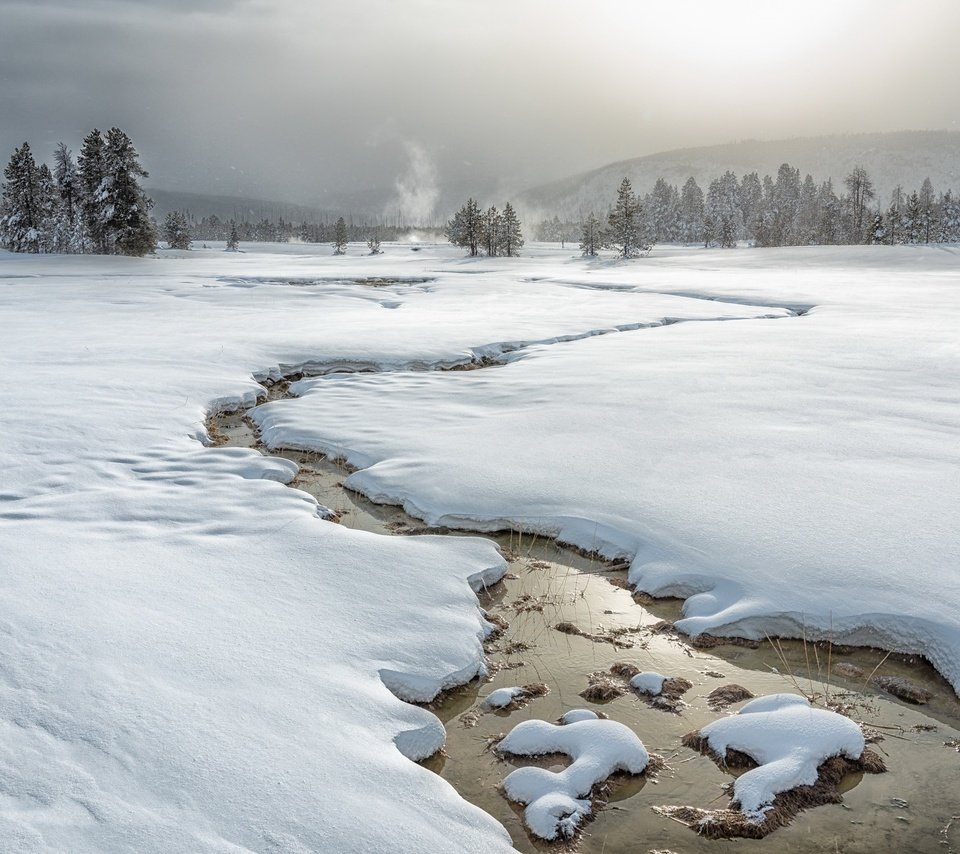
(908, 809)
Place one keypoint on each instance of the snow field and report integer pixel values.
(190, 659)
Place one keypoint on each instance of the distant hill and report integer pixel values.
(905, 157)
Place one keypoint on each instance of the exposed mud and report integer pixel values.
(913, 807)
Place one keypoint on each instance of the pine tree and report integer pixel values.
(492, 231)
(512, 241)
(625, 223)
(340, 237)
(828, 205)
(129, 228)
(591, 237)
(928, 211)
(91, 170)
(233, 239)
(21, 203)
(466, 228)
(691, 212)
(69, 233)
(176, 230)
(878, 230)
(722, 211)
(894, 219)
(860, 188)
(751, 204)
(373, 243)
(808, 214)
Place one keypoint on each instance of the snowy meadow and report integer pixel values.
(193, 659)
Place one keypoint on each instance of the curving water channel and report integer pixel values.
(913, 807)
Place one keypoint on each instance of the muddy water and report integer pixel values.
(910, 808)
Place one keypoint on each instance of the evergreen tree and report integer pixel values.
(625, 223)
(663, 212)
(751, 204)
(913, 219)
(466, 228)
(69, 233)
(176, 230)
(928, 211)
(894, 219)
(808, 215)
(860, 188)
(373, 243)
(120, 208)
(340, 237)
(878, 230)
(91, 170)
(828, 206)
(691, 212)
(492, 231)
(949, 219)
(591, 237)
(233, 239)
(722, 211)
(21, 204)
(512, 234)
(784, 204)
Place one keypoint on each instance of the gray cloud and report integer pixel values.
(300, 99)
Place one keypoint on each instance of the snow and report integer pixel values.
(575, 715)
(193, 660)
(648, 682)
(558, 801)
(789, 739)
(501, 697)
(791, 475)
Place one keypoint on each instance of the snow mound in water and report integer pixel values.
(576, 715)
(501, 697)
(789, 739)
(648, 682)
(557, 802)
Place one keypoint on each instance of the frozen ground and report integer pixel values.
(191, 660)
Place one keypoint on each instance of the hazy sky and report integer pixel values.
(292, 98)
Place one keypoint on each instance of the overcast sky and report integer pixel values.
(291, 98)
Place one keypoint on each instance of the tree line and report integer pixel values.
(93, 204)
(785, 211)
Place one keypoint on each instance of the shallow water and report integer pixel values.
(549, 584)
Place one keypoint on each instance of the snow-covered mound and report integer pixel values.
(788, 738)
(648, 682)
(558, 801)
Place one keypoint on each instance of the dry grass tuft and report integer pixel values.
(726, 695)
(568, 628)
(603, 687)
(624, 670)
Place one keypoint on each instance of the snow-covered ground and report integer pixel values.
(192, 660)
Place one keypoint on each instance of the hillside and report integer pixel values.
(905, 157)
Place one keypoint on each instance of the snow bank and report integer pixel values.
(752, 466)
(789, 739)
(558, 801)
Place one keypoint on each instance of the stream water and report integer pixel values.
(913, 807)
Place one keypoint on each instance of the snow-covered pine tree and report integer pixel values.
(233, 239)
(492, 231)
(878, 229)
(176, 230)
(662, 212)
(46, 208)
(466, 228)
(913, 219)
(626, 224)
(92, 172)
(894, 218)
(691, 212)
(808, 214)
(860, 188)
(21, 203)
(373, 243)
(828, 224)
(340, 237)
(949, 218)
(928, 211)
(784, 204)
(751, 204)
(512, 236)
(129, 228)
(69, 234)
(591, 237)
(722, 211)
